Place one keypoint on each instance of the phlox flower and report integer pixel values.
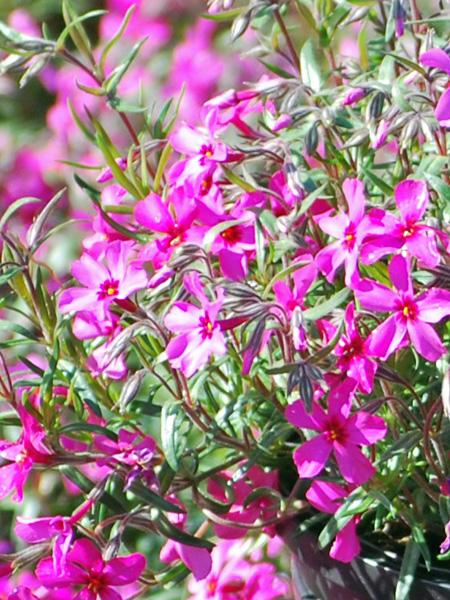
(58, 528)
(197, 560)
(234, 245)
(339, 433)
(232, 577)
(95, 578)
(326, 496)
(350, 230)
(104, 282)
(412, 314)
(199, 333)
(411, 197)
(132, 450)
(439, 59)
(21, 456)
(353, 354)
(243, 512)
(172, 219)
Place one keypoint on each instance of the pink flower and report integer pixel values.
(442, 112)
(173, 219)
(326, 496)
(200, 335)
(60, 528)
(411, 197)
(105, 282)
(350, 229)
(97, 579)
(339, 433)
(411, 316)
(354, 357)
(244, 512)
(21, 456)
(436, 58)
(233, 577)
(354, 95)
(197, 560)
(130, 451)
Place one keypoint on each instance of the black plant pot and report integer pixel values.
(316, 576)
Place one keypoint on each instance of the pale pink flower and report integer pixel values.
(199, 333)
(111, 280)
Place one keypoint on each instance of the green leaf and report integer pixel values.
(244, 185)
(407, 570)
(417, 533)
(227, 15)
(68, 30)
(310, 66)
(362, 45)
(276, 69)
(408, 63)
(116, 38)
(14, 207)
(110, 85)
(88, 428)
(149, 497)
(174, 427)
(406, 442)
(165, 155)
(86, 486)
(378, 182)
(164, 526)
(310, 199)
(324, 308)
(9, 274)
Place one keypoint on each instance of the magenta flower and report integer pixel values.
(21, 456)
(232, 577)
(326, 497)
(58, 528)
(200, 335)
(131, 449)
(350, 229)
(244, 512)
(354, 95)
(339, 433)
(173, 219)
(411, 197)
(233, 247)
(354, 357)
(442, 112)
(197, 560)
(412, 314)
(95, 578)
(105, 282)
(436, 58)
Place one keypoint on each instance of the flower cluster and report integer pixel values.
(254, 331)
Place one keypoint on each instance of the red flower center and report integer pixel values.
(96, 583)
(207, 326)
(335, 432)
(350, 236)
(108, 289)
(352, 347)
(207, 150)
(232, 235)
(409, 310)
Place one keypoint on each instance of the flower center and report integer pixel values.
(409, 310)
(95, 584)
(232, 235)
(335, 432)
(207, 326)
(207, 150)
(108, 289)
(350, 236)
(205, 186)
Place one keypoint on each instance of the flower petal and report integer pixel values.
(354, 466)
(411, 196)
(425, 340)
(311, 457)
(354, 194)
(400, 274)
(375, 296)
(346, 545)
(366, 429)
(387, 337)
(434, 305)
(124, 569)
